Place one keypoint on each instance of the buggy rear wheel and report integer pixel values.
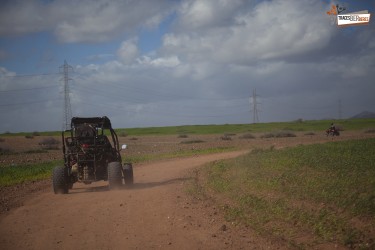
(114, 175)
(128, 174)
(59, 180)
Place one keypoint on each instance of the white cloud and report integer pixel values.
(164, 62)
(272, 30)
(128, 51)
(81, 21)
(197, 14)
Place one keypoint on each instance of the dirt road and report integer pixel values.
(155, 214)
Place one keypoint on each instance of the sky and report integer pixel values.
(146, 63)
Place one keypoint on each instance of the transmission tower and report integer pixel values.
(64, 69)
(254, 104)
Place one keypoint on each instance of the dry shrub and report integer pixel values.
(5, 150)
(279, 134)
(226, 138)
(123, 134)
(310, 133)
(370, 131)
(191, 141)
(247, 136)
(268, 135)
(49, 143)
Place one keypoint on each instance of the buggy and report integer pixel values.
(90, 155)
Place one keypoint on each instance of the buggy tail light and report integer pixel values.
(85, 145)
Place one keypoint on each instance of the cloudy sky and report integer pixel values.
(176, 62)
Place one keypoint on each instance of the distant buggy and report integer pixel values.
(90, 156)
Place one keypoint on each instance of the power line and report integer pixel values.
(31, 75)
(26, 103)
(122, 96)
(26, 89)
(160, 93)
(158, 112)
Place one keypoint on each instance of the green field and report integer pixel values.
(321, 125)
(12, 175)
(318, 125)
(304, 196)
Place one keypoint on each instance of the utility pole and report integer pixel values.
(340, 110)
(254, 104)
(64, 69)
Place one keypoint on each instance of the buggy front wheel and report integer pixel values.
(59, 180)
(128, 174)
(114, 175)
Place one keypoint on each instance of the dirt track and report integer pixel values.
(155, 213)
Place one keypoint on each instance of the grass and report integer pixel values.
(305, 196)
(318, 125)
(12, 175)
(314, 125)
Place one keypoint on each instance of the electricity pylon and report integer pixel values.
(64, 69)
(254, 104)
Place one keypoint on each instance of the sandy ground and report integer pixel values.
(157, 213)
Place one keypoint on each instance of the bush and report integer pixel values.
(370, 131)
(183, 136)
(268, 135)
(4, 151)
(29, 136)
(191, 141)
(49, 143)
(36, 133)
(310, 133)
(285, 134)
(123, 134)
(247, 136)
(279, 134)
(226, 138)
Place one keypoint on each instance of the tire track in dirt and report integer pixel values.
(154, 214)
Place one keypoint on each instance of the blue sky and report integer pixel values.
(165, 62)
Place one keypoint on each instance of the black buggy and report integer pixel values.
(89, 156)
